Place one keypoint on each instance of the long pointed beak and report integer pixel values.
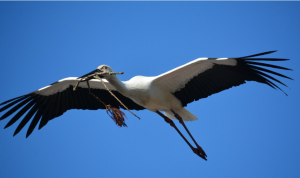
(94, 71)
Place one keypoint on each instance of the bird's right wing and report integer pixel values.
(53, 100)
(205, 76)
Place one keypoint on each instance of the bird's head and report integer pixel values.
(104, 68)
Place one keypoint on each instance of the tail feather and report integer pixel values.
(184, 113)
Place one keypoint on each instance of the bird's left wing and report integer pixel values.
(205, 76)
(53, 100)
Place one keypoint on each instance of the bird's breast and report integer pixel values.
(155, 99)
(143, 92)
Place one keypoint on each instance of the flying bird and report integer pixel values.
(169, 92)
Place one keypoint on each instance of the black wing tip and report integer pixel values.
(263, 72)
(15, 133)
(259, 54)
(13, 99)
(267, 65)
(250, 57)
(27, 134)
(269, 52)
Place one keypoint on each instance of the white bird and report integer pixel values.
(169, 92)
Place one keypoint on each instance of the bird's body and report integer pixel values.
(147, 93)
(139, 89)
(169, 92)
(155, 93)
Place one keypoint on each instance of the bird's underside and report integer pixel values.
(168, 92)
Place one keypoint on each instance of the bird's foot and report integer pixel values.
(200, 153)
(201, 150)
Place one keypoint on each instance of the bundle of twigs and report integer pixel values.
(116, 114)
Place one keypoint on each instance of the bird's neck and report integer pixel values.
(118, 84)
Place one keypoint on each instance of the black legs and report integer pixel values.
(199, 151)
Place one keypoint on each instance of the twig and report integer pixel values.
(114, 113)
(88, 84)
(116, 97)
(93, 75)
(108, 107)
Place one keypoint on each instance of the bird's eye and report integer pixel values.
(105, 67)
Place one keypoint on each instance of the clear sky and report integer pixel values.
(247, 131)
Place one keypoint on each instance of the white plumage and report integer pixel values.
(168, 92)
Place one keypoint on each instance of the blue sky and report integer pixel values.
(247, 131)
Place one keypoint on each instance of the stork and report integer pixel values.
(169, 92)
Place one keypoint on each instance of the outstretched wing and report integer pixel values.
(205, 76)
(52, 101)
